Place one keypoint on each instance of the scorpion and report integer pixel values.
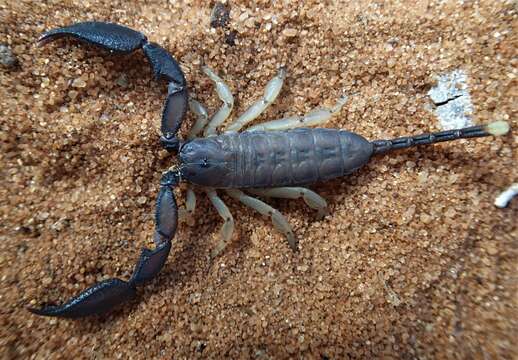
(273, 159)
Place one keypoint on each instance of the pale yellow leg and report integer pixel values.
(315, 117)
(227, 228)
(202, 118)
(264, 209)
(228, 103)
(270, 94)
(311, 198)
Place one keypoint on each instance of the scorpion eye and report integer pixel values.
(205, 163)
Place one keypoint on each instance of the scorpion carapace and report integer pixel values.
(272, 159)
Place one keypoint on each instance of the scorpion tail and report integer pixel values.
(107, 294)
(121, 39)
(496, 128)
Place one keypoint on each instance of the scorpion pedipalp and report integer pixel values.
(166, 220)
(176, 103)
(107, 294)
(121, 39)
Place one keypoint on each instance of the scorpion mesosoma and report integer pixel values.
(273, 159)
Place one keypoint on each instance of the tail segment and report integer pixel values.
(496, 128)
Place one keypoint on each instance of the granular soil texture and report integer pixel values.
(413, 261)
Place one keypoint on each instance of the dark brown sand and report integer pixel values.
(414, 260)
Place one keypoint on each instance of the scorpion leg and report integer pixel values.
(315, 117)
(311, 198)
(103, 296)
(120, 39)
(228, 102)
(279, 221)
(271, 92)
(227, 228)
(202, 118)
(186, 215)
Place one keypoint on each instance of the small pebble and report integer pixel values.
(289, 32)
(220, 15)
(79, 83)
(7, 57)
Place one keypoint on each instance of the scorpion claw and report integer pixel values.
(150, 263)
(176, 104)
(121, 39)
(107, 294)
(164, 65)
(110, 36)
(97, 299)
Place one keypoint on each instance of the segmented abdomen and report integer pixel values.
(296, 157)
(273, 158)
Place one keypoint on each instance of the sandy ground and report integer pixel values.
(414, 260)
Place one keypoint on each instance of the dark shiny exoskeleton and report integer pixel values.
(256, 159)
(262, 159)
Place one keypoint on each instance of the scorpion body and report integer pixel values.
(273, 159)
(262, 159)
